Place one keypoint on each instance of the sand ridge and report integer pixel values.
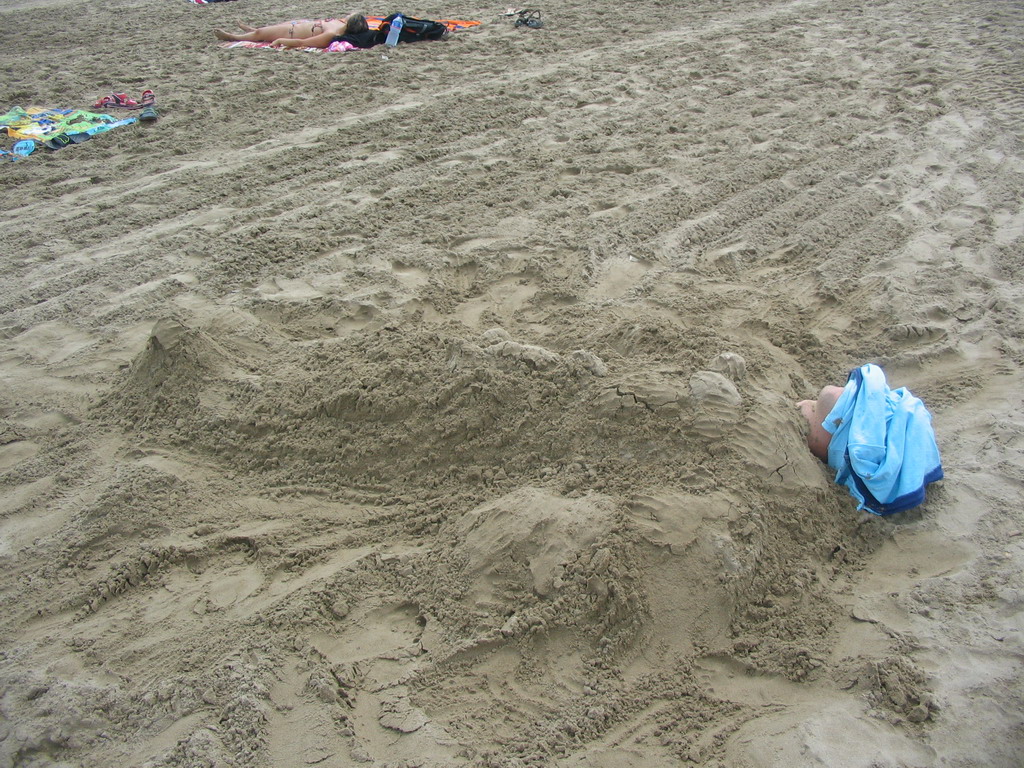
(439, 410)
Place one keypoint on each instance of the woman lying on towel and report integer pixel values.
(308, 34)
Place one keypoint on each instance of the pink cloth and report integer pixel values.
(341, 45)
(336, 46)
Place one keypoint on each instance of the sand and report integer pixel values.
(439, 410)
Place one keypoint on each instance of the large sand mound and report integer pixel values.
(438, 411)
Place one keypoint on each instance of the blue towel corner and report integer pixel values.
(883, 446)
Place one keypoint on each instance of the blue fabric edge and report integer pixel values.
(901, 503)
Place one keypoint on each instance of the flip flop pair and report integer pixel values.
(118, 100)
(149, 113)
(124, 101)
(529, 17)
(67, 139)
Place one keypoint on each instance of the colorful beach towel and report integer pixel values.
(48, 126)
(42, 123)
(883, 447)
(373, 22)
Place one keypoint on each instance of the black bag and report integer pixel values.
(414, 30)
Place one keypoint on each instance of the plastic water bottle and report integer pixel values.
(394, 31)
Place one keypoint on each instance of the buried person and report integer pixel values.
(308, 34)
(879, 441)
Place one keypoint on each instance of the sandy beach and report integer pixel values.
(438, 409)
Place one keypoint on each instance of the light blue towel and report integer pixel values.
(883, 446)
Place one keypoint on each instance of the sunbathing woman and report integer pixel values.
(301, 34)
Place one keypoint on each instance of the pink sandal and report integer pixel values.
(148, 98)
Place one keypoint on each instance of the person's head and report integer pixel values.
(815, 412)
(355, 24)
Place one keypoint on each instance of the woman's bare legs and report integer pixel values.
(291, 30)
